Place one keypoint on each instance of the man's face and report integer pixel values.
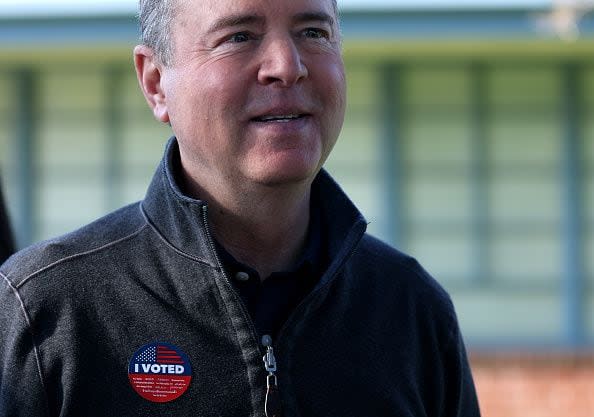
(256, 89)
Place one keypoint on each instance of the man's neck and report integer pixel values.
(263, 227)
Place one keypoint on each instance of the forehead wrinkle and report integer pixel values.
(236, 20)
(314, 17)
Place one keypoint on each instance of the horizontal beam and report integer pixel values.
(382, 25)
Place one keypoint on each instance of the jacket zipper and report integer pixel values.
(273, 406)
(272, 403)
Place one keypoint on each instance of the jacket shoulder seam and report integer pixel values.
(32, 334)
(78, 255)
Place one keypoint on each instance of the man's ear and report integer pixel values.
(148, 72)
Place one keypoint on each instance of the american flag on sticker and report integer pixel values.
(166, 355)
(157, 353)
(160, 372)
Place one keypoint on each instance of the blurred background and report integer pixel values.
(468, 143)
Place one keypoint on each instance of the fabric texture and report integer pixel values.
(377, 336)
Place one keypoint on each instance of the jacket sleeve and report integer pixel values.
(460, 399)
(21, 384)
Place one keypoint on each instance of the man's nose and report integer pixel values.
(281, 63)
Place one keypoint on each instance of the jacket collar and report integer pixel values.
(181, 221)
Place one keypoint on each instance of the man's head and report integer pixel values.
(254, 90)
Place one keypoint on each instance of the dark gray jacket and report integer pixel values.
(376, 337)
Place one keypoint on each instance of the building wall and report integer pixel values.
(535, 385)
(480, 165)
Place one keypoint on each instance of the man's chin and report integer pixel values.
(285, 170)
(286, 177)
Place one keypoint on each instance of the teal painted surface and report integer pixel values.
(574, 286)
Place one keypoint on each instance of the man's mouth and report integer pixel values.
(284, 118)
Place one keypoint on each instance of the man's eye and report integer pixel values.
(239, 37)
(314, 33)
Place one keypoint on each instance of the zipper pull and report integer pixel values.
(272, 405)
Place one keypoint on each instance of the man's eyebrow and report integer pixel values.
(235, 20)
(246, 19)
(314, 17)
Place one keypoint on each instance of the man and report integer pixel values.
(6, 243)
(244, 284)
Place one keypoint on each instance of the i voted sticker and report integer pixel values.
(160, 372)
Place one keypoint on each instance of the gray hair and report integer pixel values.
(156, 17)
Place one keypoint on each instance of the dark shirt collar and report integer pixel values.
(270, 302)
(311, 261)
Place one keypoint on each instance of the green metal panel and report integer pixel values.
(573, 219)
